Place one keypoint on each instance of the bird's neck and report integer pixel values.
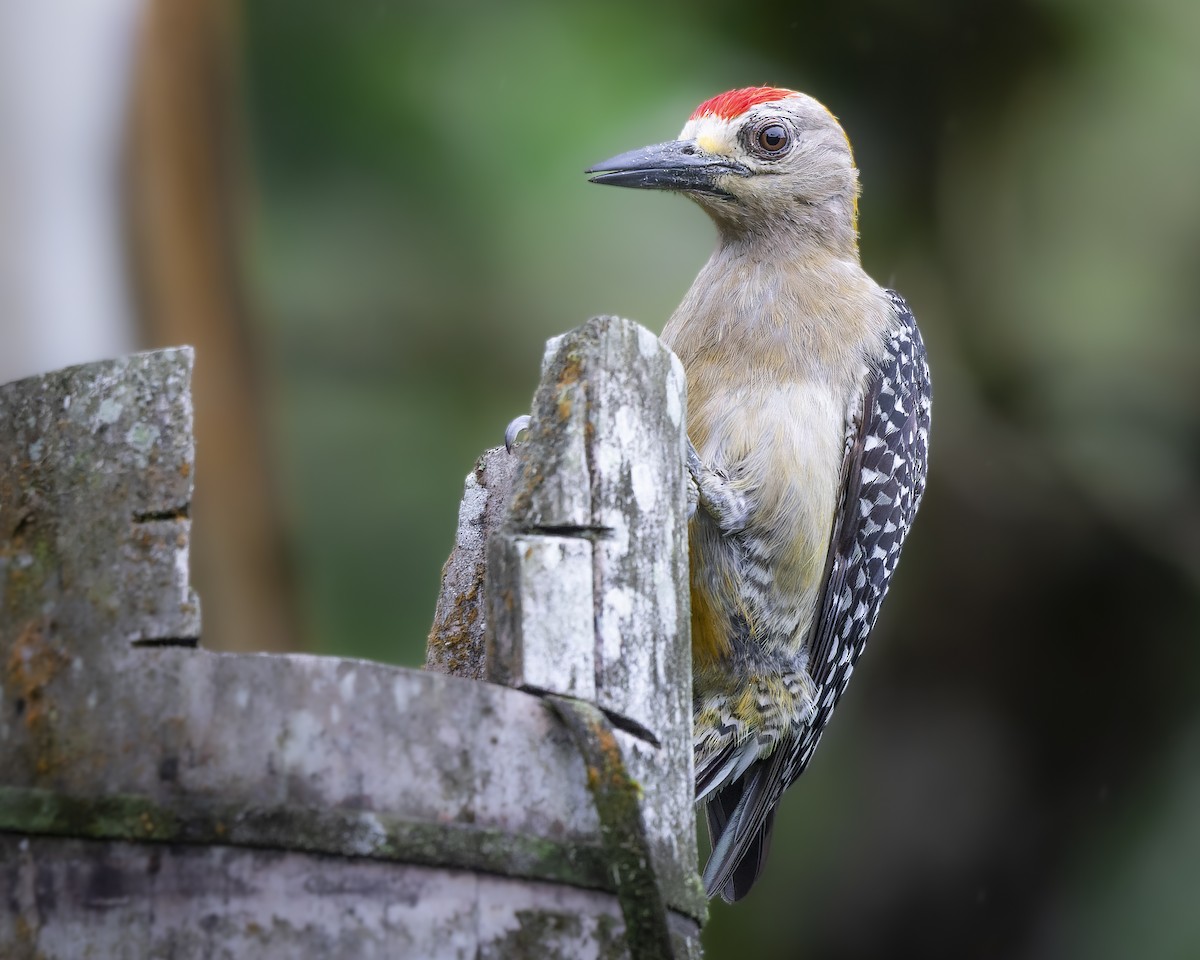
(794, 307)
(809, 227)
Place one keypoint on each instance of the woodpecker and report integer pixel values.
(808, 422)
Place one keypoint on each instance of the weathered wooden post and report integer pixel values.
(157, 799)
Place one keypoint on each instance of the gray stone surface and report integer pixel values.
(159, 800)
(96, 467)
(456, 641)
(587, 585)
(136, 901)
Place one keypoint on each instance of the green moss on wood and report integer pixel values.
(347, 833)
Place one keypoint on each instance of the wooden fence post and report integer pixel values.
(160, 799)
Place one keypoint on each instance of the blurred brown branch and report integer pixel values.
(185, 191)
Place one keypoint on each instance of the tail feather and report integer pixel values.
(747, 872)
(740, 823)
(718, 771)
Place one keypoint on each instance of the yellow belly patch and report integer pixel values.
(710, 630)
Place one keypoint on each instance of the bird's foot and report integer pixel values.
(715, 492)
(693, 495)
(514, 430)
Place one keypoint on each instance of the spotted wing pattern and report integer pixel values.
(887, 446)
(885, 477)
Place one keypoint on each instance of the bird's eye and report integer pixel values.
(773, 138)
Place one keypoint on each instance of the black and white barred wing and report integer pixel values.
(884, 477)
(886, 459)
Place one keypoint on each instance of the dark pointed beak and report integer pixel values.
(677, 165)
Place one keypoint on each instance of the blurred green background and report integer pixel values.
(1016, 770)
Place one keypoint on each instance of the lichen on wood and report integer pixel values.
(587, 579)
(456, 640)
(356, 809)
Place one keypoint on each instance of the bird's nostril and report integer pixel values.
(689, 150)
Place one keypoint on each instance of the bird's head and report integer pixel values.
(761, 161)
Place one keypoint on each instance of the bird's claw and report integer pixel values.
(514, 430)
(693, 482)
(713, 491)
(693, 497)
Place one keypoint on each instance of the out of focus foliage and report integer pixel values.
(1016, 770)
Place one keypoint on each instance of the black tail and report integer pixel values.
(739, 847)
